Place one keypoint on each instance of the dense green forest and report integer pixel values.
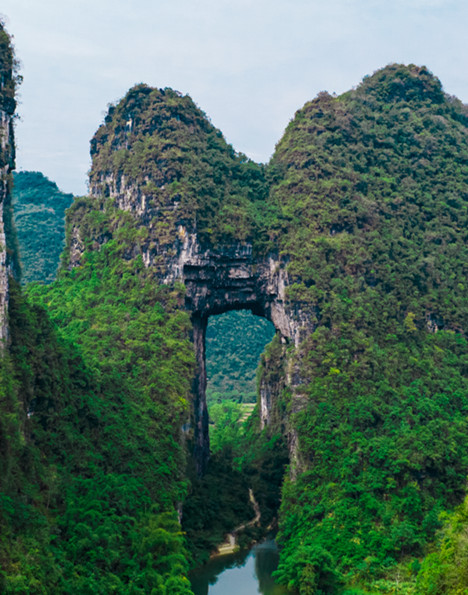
(365, 199)
(373, 198)
(92, 467)
(234, 344)
(39, 215)
(159, 143)
(92, 462)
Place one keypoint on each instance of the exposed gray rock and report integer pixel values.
(7, 162)
(217, 277)
(229, 277)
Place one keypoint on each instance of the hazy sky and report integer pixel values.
(249, 64)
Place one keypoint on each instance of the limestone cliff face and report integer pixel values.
(160, 160)
(216, 280)
(7, 161)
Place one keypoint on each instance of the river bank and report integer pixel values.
(230, 544)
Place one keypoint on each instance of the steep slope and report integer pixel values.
(372, 187)
(134, 339)
(373, 195)
(8, 82)
(158, 156)
(39, 215)
(92, 461)
(195, 206)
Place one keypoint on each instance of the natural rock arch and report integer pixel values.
(193, 198)
(218, 281)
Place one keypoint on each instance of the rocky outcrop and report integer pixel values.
(159, 159)
(216, 280)
(7, 161)
(230, 277)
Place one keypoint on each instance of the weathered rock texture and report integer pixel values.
(158, 158)
(232, 278)
(216, 281)
(7, 161)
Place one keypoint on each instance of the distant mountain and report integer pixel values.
(39, 214)
(234, 344)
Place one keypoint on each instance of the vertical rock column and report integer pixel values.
(201, 446)
(7, 161)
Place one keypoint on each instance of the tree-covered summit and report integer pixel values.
(372, 191)
(398, 82)
(159, 144)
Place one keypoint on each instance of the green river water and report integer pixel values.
(245, 573)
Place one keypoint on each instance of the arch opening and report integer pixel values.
(216, 282)
(235, 341)
(235, 487)
(228, 343)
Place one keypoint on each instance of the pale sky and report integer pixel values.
(249, 64)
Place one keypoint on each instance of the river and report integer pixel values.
(244, 573)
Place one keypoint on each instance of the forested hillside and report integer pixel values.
(373, 198)
(92, 465)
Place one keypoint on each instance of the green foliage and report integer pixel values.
(263, 456)
(234, 343)
(371, 187)
(379, 456)
(9, 76)
(243, 458)
(216, 504)
(132, 335)
(91, 417)
(85, 302)
(445, 571)
(160, 142)
(39, 215)
(373, 200)
(225, 425)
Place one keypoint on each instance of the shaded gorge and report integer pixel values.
(238, 494)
